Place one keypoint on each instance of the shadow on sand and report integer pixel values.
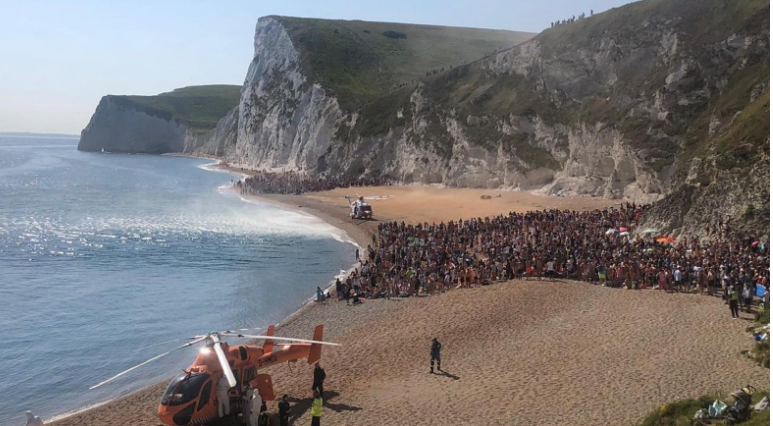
(446, 374)
(299, 406)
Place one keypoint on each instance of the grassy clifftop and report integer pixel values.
(360, 61)
(198, 107)
(615, 69)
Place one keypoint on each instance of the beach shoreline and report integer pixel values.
(142, 394)
(619, 341)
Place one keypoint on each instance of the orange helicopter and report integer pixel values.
(190, 398)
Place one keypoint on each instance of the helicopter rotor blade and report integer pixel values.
(169, 341)
(223, 361)
(237, 330)
(150, 360)
(286, 339)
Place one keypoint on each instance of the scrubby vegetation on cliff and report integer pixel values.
(198, 107)
(359, 61)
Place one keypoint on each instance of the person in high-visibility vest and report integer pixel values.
(316, 409)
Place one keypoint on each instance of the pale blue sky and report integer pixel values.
(58, 58)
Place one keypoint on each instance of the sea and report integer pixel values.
(107, 260)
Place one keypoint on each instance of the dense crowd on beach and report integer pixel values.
(299, 183)
(599, 246)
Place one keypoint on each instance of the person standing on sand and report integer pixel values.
(316, 409)
(434, 355)
(223, 401)
(264, 419)
(33, 420)
(246, 398)
(256, 404)
(284, 411)
(319, 380)
(734, 301)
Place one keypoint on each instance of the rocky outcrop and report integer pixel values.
(640, 102)
(217, 142)
(114, 127)
(284, 121)
(200, 118)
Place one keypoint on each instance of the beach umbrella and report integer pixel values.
(755, 244)
(610, 231)
(625, 233)
(670, 239)
(623, 229)
(650, 231)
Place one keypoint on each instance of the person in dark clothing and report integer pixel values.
(435, 355)
(734, 302)
(264, 419)
(319, 380)
(284, 411)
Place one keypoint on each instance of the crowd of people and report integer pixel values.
(599, 246)
(299, 183)
(574, 18)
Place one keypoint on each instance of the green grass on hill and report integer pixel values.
(360, 61)
(704, 21)
(473, 90)
(198, 107)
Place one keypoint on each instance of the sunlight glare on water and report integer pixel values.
(104, 255)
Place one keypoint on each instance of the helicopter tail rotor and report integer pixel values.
(268, 344)
(315, 353)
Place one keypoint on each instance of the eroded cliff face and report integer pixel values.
(637, 106)
(193, 118)
(283, 120)
(115, 128)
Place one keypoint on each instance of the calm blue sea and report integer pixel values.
(104, 257)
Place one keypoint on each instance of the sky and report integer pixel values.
(58, 58)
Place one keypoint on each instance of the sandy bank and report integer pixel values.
(521, 352)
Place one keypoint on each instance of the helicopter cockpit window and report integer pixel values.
(366, 208)
(184, 388)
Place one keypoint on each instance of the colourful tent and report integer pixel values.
(623, 229)
(650, 231)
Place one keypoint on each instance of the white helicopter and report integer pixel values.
(360, 208)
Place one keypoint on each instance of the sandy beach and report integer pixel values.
(518, 352)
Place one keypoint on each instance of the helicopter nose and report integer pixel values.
(165, 416)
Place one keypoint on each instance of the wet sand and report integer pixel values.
(520, 352)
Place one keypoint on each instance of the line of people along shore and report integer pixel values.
(262, 182)
(599, 246)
